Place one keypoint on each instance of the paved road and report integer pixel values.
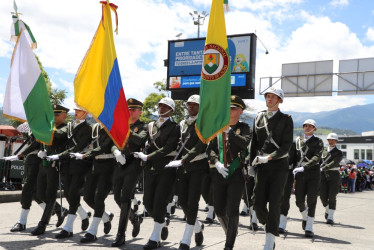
(354, 229)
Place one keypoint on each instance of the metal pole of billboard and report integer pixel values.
(198, 19)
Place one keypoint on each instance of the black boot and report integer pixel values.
(40, 229)
(61, 213)
(108, 224)
(18, 227)
(224, 221)
(123, 220)
(232, 231)
(136, 220)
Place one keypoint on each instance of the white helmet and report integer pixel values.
(275, 91)
(311, 122)
(332, 136)
(168, 101)
(194, 99)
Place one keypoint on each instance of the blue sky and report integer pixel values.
(292, 30)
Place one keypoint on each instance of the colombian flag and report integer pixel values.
(98, 86)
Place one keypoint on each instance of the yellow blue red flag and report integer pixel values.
(98, 85)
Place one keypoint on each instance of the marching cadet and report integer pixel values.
(271, 141)
(163, 136)
(75, 172)
(228, 188)
(126, 176)
(307, 174)
(285, 205)
(31, 163)
(99, 180)
(192, 166)
(330, 177)
(48, 176)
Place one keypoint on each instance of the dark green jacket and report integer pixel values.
(59, 140)
(137, 139)
(192, 148)
(313, 148)
(239, 138)
(281, 128)
(79, 138)
(102, 144)
(331, 159)
(166, 143)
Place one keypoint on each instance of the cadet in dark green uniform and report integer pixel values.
(79, 139)
(330, 177)
(227, 190)
(162, 142)
(271, 141)
(31, 162)
(126, 176)
(285, 206)
(307, 174)
(48, 176)
(192, 167)
(99, 180)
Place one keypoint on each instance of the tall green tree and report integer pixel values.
(57, 96)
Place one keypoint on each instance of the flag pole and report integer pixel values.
(224, 141)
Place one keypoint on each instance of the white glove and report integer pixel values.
(221, 169)
(259, 160)
(53, 158)
(42, 154)
(251, 171)
(121, 159)
(77, 156)
(297, 170)
(11, 158)
(174, 164)
(141, 155)
(321, 169)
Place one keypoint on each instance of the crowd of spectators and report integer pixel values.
(356, 179)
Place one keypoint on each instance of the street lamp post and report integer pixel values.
(198, 19)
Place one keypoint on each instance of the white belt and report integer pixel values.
(104, 156)
(336, 168)
(173, 153)
(33, 152)
(283, 156)
(199, 157)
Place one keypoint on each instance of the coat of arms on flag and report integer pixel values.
(216, 62)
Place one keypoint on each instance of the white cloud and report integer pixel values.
(339, 3)
(64, 30)
(370, 33)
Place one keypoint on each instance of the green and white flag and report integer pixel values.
(19, 26)
(26, 95)
(215, 87)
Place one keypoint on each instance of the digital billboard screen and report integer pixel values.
(185, 59)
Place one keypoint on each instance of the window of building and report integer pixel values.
(344, 154)
(369, 154)
(356, 154)
(343, 146)
(363, 154)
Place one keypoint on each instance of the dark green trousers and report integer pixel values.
(270, 181)
(329, 188)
